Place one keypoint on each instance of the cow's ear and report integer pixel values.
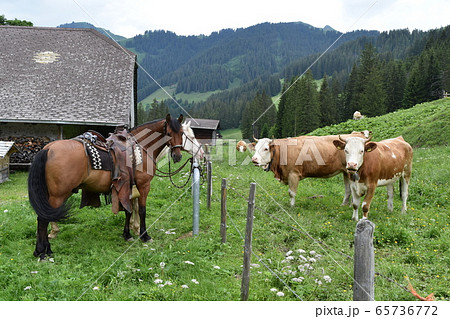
(339, 144)
(369, 147)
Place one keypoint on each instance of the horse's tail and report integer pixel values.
(38, 192)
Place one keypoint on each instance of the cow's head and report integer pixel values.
(354, 148)
(262, 153)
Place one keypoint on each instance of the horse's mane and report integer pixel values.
(174, 124)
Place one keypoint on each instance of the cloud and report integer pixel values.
(131, 17)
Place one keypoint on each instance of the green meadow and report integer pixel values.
(300, 253)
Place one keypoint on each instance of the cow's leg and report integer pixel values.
(346, 200)
(404, 190)
(356, 199)
(54, 230)
(293, 180)
(390, 193)
(367, 200)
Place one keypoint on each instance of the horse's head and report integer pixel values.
(190, 143)
(175, 132)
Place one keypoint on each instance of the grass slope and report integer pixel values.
(423, 125)
(93, 262)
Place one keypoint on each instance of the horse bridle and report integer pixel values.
(168, 141)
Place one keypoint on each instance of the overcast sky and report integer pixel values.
(194, 17)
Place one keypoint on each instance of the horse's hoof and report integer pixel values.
(146, 238)
(130, 239)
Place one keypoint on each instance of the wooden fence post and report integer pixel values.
(248, 243)
(223, 211)
(364, 262)
(209, 186)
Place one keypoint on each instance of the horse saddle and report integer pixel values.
(126, 155)
(97, 150)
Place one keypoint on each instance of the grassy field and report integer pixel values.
(93, 262)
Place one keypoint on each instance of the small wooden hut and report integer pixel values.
(6, 149)
(205, 130)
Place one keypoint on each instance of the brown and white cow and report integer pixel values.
(372, 164)
(293, 159)
(241, 146)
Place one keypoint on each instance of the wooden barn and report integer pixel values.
(6, 149)
(205, 130)
(57, 82)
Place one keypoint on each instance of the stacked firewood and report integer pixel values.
(28, 146)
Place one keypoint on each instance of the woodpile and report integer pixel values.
(28, 146)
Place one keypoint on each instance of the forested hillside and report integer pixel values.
(208, 63)
(376, 77)
(368, 71)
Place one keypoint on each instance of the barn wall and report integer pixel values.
(48, 130)
(26, 129)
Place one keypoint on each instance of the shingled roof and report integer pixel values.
(64, 76)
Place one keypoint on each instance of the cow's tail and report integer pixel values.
(38, 192)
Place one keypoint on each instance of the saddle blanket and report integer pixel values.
(100, 159)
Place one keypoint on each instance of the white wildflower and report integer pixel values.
(95, 288)
(299, 279)
(160, 286)
(189, 262)
(313, 260)
(273, 289)
(280, 294)
(140, 280)
(290, 258)
(195, 281)
(27, 288)
(327, 278)
(317, 281)
(34, 272)
(289, 253)
(303, 258)
(255, 265)
(5, 211)
(168, 283)
(216, 267)
(156, 275)
(120, 274)
(158, 281)
(162, 264)
(185, 286)
(301, 251)
(312, 252)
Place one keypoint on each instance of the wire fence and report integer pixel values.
(299, 229)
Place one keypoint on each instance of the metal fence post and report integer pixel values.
(195, 198)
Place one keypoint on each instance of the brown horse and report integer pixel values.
(62, 167)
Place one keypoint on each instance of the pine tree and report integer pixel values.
(327, 102)
(395, 82)
(280, 114)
